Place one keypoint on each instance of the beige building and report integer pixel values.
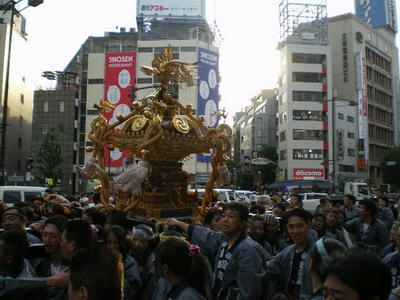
(365, 62)
(19, 117)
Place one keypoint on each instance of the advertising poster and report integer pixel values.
(171, 8)
(208, 93)
(377, 13)
(308, 174)
(119, 78)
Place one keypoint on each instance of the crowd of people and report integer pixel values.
(51, 248)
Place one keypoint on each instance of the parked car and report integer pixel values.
(311, 200)
(247, 196)
(10, 194)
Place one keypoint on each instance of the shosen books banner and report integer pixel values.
(119, 78)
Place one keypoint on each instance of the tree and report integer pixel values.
(49, 158)
(269, 152)
(391, 165)
(268, 172)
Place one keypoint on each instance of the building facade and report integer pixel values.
(55, 112)
(19, 108)
(365, 67)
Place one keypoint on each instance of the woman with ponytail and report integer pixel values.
(183, 266)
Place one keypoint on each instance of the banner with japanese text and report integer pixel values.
(119, 78)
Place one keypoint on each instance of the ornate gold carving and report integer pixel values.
(181, 124)
(138, 123)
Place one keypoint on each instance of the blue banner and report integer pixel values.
(377, 13)
(208, 93)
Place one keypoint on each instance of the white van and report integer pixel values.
(311, 200)
(11, 194)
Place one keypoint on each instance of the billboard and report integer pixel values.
(119, 78)
(171, 8)
(361, 83)
(208, 91)
(304, 174)
(377, 13)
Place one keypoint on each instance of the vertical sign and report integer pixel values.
(377, 13)
(119, 78)
(362, 112)
(208, 94)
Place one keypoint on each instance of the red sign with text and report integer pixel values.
(119, 78)
(301, 174)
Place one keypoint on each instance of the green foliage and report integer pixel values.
(268, 151)
(391, 172)
(49, 159)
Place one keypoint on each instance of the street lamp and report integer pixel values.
(9, 6)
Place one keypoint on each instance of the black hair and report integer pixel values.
(98, 217)
(370, 206)
(351, 197)
(297, 196)
(59, 221)
(318, 215)
(75, 213)
(281, 206)
(59, 209)
(362, 271)
(184, 263)
(324, 200)
(254, 207)
(120, 234)
(100, 272)
(79, 232)
(241, 208)
(15, 244)
(333, 247)
(116, 217)
(210, 214)
(341, 212)
(387, 202)
(297, 212)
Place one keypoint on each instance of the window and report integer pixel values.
(347, 168)
(350, 135)
(340, 116)
(351, 152)
(61, 128)
(11, 197)
(307, 77)
(305, 134)
(145, 49)
(350, 119)
(188, 49)
(309, 96)
(309, 154)
(283, 117)
(21, 121)
(21, 98)
(61, 106)
(282, 136)
(144, 80)
(45, 128)
(18, 165)
(283, 155)
(46, 106)
(305, 58)
(19, 143)
(96, 81)
(307, 115)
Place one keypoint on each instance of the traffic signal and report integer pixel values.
(34, 3)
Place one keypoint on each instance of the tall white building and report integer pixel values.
(305, 84)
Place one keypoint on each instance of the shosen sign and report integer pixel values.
(208, 91)
(119, 78)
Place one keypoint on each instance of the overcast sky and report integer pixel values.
(250, 32)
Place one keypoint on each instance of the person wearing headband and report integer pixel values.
(140, 242)
(272, 234)
(323, 249)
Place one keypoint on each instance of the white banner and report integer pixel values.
(171, 8)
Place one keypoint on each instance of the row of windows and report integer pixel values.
(45, 129)
(311, 154)
(349, 118)
(376, 152)
(308, 77)
(380, 115)
(46, 106)
(304, 134)
(378, 60)
(379, 78)
(158, 50)
(347, 168)
(306, 58)
(380, 133)
(380, 97)
(309, 96)
(307, 115)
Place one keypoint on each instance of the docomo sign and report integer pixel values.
(308, 173)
